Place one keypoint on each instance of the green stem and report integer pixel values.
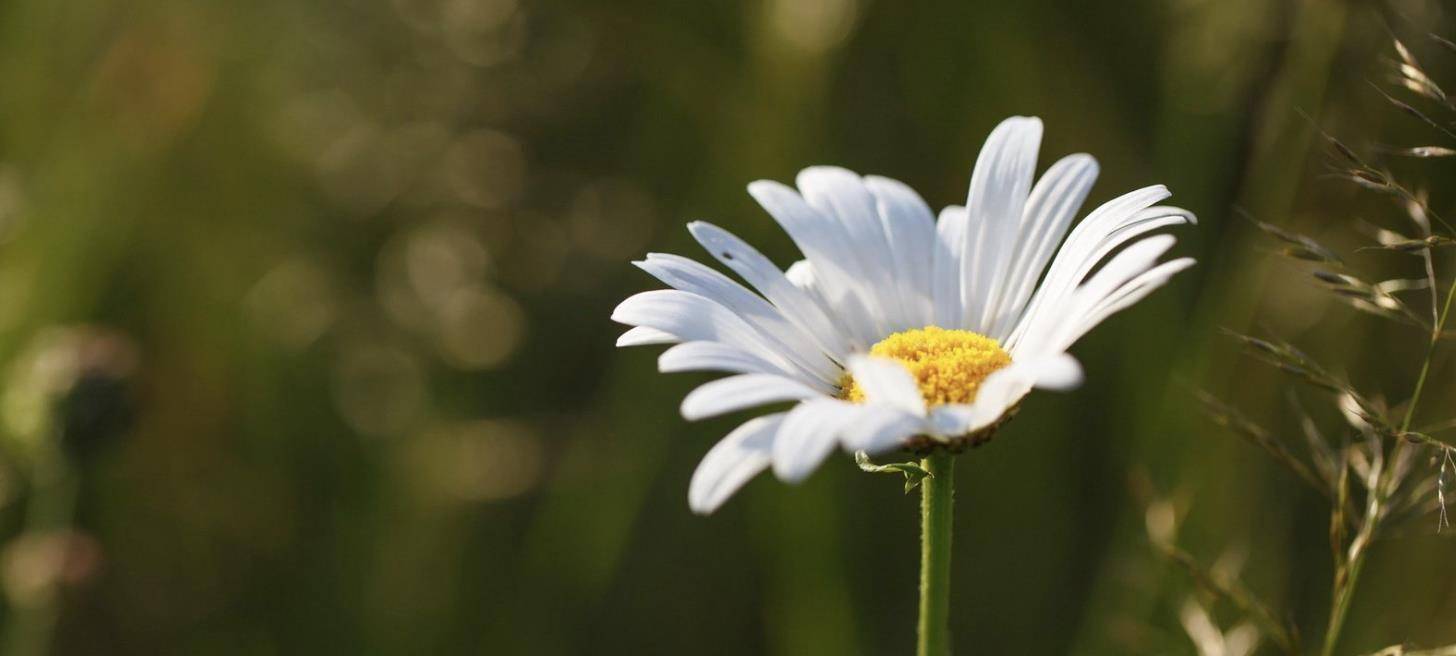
(1410, 410)
(936, 502)
(1345, 581)
(1346, 578)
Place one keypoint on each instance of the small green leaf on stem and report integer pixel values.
(913, 472)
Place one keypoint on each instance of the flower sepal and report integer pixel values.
(924, 445)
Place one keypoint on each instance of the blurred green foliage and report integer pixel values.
(363, 253)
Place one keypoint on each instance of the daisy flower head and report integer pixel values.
(897, 329)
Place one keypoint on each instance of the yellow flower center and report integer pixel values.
(948, 365)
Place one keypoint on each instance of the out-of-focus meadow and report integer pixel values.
(315, 296)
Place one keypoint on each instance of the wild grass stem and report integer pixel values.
(1348, 573)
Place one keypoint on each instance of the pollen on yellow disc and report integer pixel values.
(948, 365)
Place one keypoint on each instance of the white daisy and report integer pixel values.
(897, 329)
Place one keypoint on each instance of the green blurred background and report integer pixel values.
(354, 263)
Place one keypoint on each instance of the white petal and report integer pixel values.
(1085, 240)
(1141, 223)
(1124, 266)
(1002, 390)
(715, 356)
(689, 276)
(1055, 330)
(950, 243)
(881, 428)
(793, 302)
(886, 381)
(1053, 204)
(1108, 227)
(1058, 372)
(841, 194)
(1137, 288)
(807, 435)
(997, 394)
(642, 336)
(733, 461)
(801, 274)
(910, 228)
(1000, 184)
(826, 244)
(1125, 296)
(743, 391)
(696, 319)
